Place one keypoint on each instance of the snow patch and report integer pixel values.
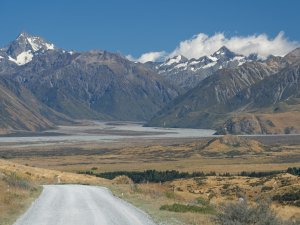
(49, 46)
(209, 65)
(36, 44)
(238, 58)
(213, 58)
(241, 63)
(171, 61)
(181, 65)
(23, 58)
(194, 62)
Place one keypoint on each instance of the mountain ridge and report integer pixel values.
(187, 73)
(234, 92)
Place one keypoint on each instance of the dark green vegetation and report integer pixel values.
(169, 175)
(148, 175)
(176, 207)
(260, 174)
(294, 171)
(290, 198)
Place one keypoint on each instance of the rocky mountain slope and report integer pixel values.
(20, 110)
(248, 99)
(187, 73)
(82, 85)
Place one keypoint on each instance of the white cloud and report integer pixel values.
(149, 56)
(202, 44)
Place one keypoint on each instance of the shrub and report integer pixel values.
(202, 201)
(170, 194)
(122, 180)
(13, 180)
(243, 214)
(291, 198)
(266, 188)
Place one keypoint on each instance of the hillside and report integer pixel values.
(20, 110)
(229, 145)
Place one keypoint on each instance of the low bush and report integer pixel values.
(290, 198)
(202, 201)
(242, 213)
(170, 194)
(15, 181)
(188, 208)
(122, 180)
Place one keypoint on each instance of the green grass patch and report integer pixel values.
(188, 208)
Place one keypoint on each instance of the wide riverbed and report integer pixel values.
(107, 132)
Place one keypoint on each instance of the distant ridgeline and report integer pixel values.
(169, 175)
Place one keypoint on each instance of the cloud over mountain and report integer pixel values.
(149, 56)
(203, 44)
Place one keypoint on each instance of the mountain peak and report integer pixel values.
(24, 47)
(23, 35)
(34, 42)
(224, 53)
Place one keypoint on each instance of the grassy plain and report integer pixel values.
(57, 162)
(205, 154)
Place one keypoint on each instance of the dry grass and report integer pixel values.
(196, 155)
(45, 176)
(150, 197)
(215, 190)
(16, 195)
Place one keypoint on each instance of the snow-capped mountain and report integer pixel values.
(41, 85)
(187, 73)
(259, 97)
(22, 50)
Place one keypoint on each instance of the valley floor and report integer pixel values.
(142, 151)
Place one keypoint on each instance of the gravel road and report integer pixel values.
(81, 205)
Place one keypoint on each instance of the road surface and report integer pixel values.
(81, 205)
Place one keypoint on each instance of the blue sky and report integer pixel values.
(138, 26)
